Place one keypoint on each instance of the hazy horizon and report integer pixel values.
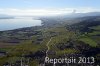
(17, 8)
(47, 7)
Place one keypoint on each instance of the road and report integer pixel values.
(48, 47)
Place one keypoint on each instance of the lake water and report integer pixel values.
(9, 24)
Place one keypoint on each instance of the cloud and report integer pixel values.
(40, 12)
(87, 9)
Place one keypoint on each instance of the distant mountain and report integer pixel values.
(85, 22)
(75, 15)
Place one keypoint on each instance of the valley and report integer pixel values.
(56, 38)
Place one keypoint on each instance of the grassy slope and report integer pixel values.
(90, 38)
(89, 41)
(63, 36)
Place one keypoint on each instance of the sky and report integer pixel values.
(47, 7)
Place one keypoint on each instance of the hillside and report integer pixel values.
(56, 38)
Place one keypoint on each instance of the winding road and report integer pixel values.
(48, 47)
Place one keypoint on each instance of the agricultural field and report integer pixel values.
(30, 46)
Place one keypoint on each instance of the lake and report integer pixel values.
(9, 24)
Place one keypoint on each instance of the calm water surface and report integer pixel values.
(9, 24)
